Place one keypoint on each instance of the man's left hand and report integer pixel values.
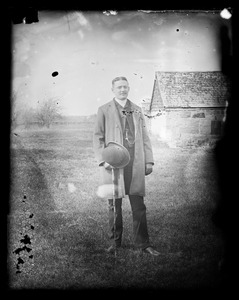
(148, 169)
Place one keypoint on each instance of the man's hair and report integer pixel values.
(119, 78)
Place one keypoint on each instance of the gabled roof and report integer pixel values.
(190, 89)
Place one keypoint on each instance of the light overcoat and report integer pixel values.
(108, 128)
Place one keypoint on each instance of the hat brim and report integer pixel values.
(126, 156)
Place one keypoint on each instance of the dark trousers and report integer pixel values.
(140, 230)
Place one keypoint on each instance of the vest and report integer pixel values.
(127, 125)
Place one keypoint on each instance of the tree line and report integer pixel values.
(44, 115)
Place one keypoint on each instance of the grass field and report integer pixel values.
(58, 225)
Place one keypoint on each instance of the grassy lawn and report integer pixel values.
(58, 225)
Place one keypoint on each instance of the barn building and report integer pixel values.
(188, 108)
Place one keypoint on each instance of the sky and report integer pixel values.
(89, 49)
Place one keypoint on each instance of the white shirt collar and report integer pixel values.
(121, 102)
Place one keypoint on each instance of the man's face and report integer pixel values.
(121, 89)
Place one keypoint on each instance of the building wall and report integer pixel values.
(191, 106)
(194, 125)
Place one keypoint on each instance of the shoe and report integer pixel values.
(151, 251)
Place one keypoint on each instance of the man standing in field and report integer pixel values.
(122, 121)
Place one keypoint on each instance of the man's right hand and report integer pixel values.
(108, 166)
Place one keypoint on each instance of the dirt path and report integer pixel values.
(30, 217)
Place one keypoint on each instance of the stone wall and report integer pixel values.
(180, 127)
(191, 106)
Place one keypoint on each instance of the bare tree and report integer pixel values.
(48, 112)
(28, 117)
(21, 114)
